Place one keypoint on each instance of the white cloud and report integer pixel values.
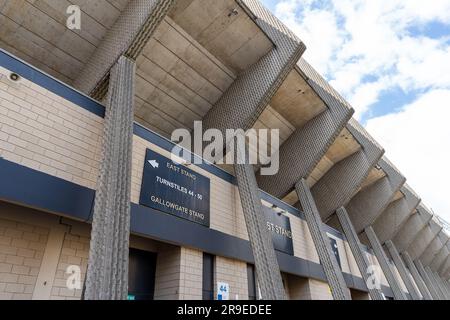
(417, 140)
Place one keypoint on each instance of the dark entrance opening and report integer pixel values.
(141, 275)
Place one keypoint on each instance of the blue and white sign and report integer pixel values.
(223, 291)
(173, 188)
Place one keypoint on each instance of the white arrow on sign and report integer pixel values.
(154, 163)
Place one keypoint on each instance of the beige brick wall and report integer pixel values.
(21, 249)
(43, 131)
(235, 274)
(307, 289)
(191, 274)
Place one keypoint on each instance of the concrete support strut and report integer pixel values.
(327, 258)
(266, 264)
(423, 239)
(244, 101)
(427, 280)
(357, 251)
(384, 264)
(440, 283)
(339, 184)
(389, 223)
(426, 295)
(369, 203)
(127, 36)
(440, 257)
(435, 283)
(398, 262)
(107, 273)
(297, 155)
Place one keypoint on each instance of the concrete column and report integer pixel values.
(402, 270)
(369, 203)
(417, 277)
(244, 101)
(389, 223)
(427, 280)
(266, 264)
(127, 36)
(357, 251)
(440, 257)
(107, 274)
(384, 264)
(431, 251)
(298, 156)
(441, 285)
(339, 184)
(418, 247)
(435, 283)
(327, 258)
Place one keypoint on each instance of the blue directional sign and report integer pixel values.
(175, 189)
(280, 227)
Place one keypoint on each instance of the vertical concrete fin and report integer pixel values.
(417, 277)
(384, 263)
(328, 260)
(435, 282)
(126, 37)
(107, 274)
(402, 270)
(339, 184)
(357, 251)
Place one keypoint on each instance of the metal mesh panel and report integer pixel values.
(107, 274)
(402, 270)
(297, 155)
(327, 258)
(396, 214)
(384, 264)
(426, 295)
(357, 251)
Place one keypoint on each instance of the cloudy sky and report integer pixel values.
(391, 60)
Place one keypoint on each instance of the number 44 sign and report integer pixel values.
(223, 291)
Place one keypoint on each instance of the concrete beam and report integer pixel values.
(426, 295)
(369, 203)
(439, 258)
(127, 36)
(432, 250)
(389, 223)
(298, 156)
(339, 184)
(423, 239)
(244, 101)
(412, 227)
(436, 284)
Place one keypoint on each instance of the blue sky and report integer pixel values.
(391, 60)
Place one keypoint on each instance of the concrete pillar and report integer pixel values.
(417, 277)
(266, 264)
(418, 247)
(412, 228)
(298, 156)
(339, 184)
(369, 203)
(389, 223)
(431, 251)
(357, 251)
(384, 264)
(440, 257)
(441, 285)
(127, 36)
(427, 280)
(402, 270)
(327, 258)
(244, 101)
(435, 283)
(107, 274)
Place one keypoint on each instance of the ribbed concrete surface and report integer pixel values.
(423, 239)
(389, 223)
